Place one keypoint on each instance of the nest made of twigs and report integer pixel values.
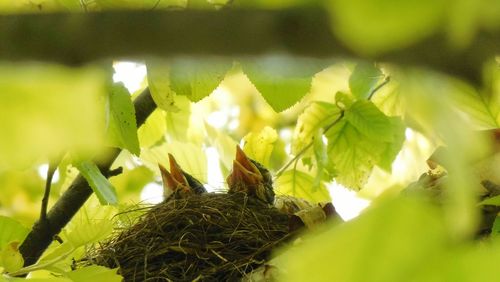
(206, 237)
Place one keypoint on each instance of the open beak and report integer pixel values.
(174, 179)
(244, 170)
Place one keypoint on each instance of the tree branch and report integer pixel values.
(43, 232)
(83, 37)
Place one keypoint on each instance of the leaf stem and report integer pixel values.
(387, 79)
(303, 150)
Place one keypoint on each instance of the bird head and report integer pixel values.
(179, 182)
(174, 181)
(250, 177)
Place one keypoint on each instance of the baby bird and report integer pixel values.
(250, 177)
(177, 183)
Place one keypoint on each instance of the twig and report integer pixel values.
(114, 172)
(48, 183)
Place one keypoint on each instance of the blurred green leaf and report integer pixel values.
(300, 184)
(178, 122)
(259, 146)
(11, 230)
(369, 120)
(122, 127)
(90, 231)
(61, 251)
(325, 168)
(225, 145)
(495, 230)
(140, 4)
(478, 108)
(10, 257)
(153, 129)
(276, 77)
(51, 279)
(315, 116)
(46, 109)
(364, 79)
(389, 100)
(95, 273)
(463, 17)
(376, 26)
(275, 4)
(393, 241)
(190, 157)
(159, 85)
(491, 95)
(354, 155)
(392, 148)
(195, 78)
(100, 184)
(72, 5)
(132, 181)
(494, 201)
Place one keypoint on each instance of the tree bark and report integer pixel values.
(82, 37)
(43, 231)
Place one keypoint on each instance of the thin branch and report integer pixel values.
(52, 167)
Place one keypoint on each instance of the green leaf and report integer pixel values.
(316, 115)
(259, 146)
(159, 85)
(101, 186)
(178, 122)
(364, 79)
(389, 100)
(494, 201)
(495, 230)
(325, 168)
(353, 154)
(393, 241)
(10, 257)
(479, 108)
(376, 26)
(190, 157)
(224, 144)
(392, 149)
(300, 184)
(122, 125)
(11, 230)
(46, 109)
(370, 121)
(153, 129)
(196, 78)
(90, 231)
(143, 4)
(58, 253)
(282, 81)
(95, 273)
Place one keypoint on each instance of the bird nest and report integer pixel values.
(207, 237)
